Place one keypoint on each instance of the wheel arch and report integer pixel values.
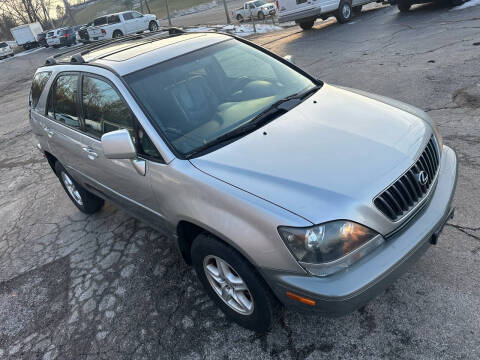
(51, 160)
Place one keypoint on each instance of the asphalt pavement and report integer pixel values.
(107, 286)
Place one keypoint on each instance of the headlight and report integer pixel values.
(328, 248)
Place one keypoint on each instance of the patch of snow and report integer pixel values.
(240, 30)
(466, 5)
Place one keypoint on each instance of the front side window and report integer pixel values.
(136, 15)
(38, 84)
(197, 98)
(127, 16)
(63, 106)
(104, 109)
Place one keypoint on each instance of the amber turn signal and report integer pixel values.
(300, 298)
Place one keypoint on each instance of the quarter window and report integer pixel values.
(38, 84)
(64, 100)
(104, 110)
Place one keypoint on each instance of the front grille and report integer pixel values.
(412, 187)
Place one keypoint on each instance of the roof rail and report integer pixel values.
(78, 52)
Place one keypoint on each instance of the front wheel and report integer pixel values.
(344, 12)
(306, 24)
(84, 200)
(232, 283)
(403, 6)
(153, 26)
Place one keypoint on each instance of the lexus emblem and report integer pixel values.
(422, 178)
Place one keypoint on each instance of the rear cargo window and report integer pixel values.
(2, 45)
(38, 84)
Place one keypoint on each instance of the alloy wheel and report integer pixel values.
(228, 285)
(72, 189)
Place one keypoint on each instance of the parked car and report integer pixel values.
(275, 185)
(82, 35)
(5, 50)
(42, 39)
(61, 37)
(120, 24)
(26, 35)
(257, 8)
(304, 12)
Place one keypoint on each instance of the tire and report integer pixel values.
(261, 15)
(257, 310)
(116, 34)
(344, 13)
(403, 5)
(357, 10)
(239, 18)
(153, 26)
(306, 24)
(84, 200)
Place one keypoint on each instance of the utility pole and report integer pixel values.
(168, 14)
(226, 11)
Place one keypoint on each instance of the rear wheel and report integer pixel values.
(344, 12)
(232, 283)
(306, 24)
(403, 5)
(84, 200)
(117, 34)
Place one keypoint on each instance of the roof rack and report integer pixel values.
(77, 53)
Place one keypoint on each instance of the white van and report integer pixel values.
(305, 12)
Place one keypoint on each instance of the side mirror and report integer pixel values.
(289, 58)
(118, 145)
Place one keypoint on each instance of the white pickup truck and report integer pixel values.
(257, 8)
(119, 24)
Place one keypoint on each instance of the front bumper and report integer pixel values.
(350, 289)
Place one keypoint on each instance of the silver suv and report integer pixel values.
(276, 186)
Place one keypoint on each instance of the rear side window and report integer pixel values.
(63, 105)
(114, 19)
(38, 84)
(104, 109)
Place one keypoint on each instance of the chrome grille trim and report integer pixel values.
(406, 193)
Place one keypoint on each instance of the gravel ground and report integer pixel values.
(107, 286)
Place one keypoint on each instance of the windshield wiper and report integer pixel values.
(278, 108)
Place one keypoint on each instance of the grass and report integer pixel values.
(157, 7)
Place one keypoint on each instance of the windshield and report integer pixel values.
(259, 3)
(198, 97)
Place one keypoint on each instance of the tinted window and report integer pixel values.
(103, 108)
(51, 33)
(100, 21)
(65, 100)
(41, 36)
(38, 84)
(114, 19)
(2, 45)
(127, 16)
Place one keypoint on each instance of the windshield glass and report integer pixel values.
(198, 97)
(259, 3)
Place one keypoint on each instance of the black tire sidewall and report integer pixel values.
(340, 18)
(264, 302)
(91, 203)
(152, 26)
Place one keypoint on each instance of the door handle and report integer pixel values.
(49, 132)
(92, 155)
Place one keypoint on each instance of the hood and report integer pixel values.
(325, 159)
